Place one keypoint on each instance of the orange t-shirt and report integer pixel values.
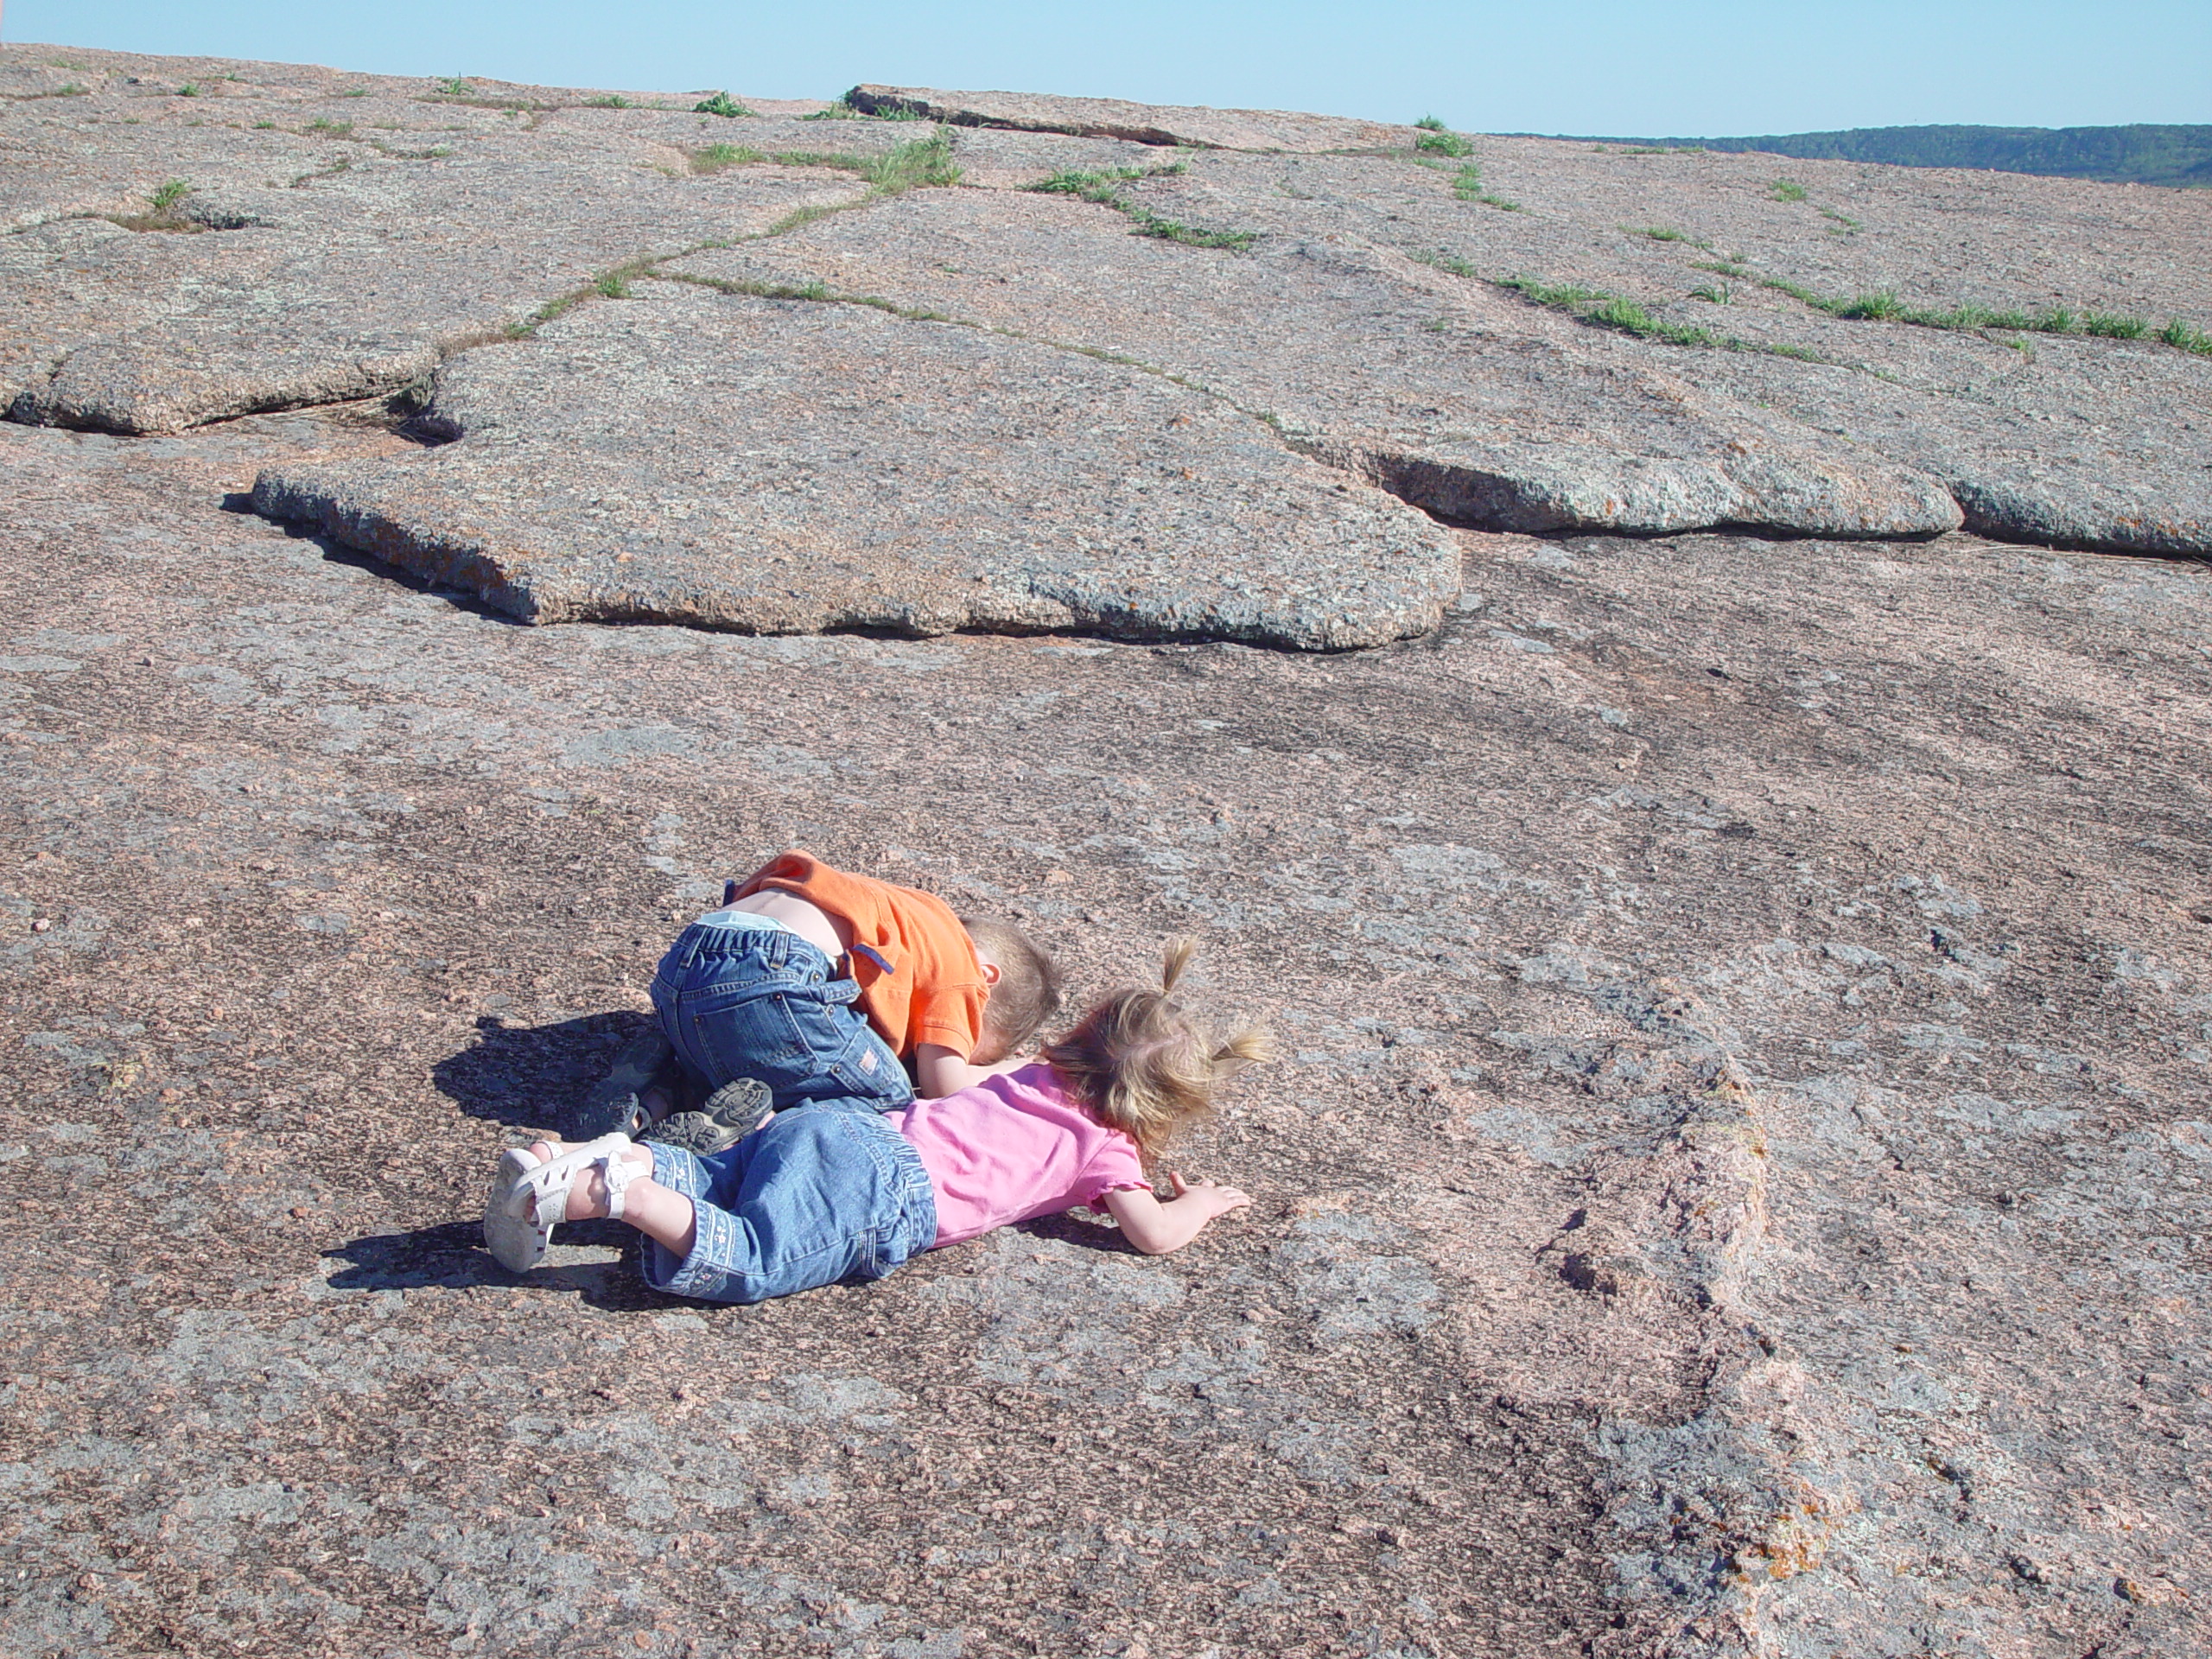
(918, 976)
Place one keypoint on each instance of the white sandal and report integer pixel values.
(530, 1199)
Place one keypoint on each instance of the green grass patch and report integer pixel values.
(715, 157)
(1450, 262)
(189, 89)
(609, 101)
(1885, 307)
(264, 126)
(324, 125)
(2179, 335)
(1663, 234)
(161, 212)
(1850, 226)
(1100, 187)
(1437, 139)
(1712, 296)
(1786, 190)
(919, 163)
(453, 86)
(720, 103)
(2107, 325)
(1467, 185)
(1722, 267)
(354, 92)
(1599, 309)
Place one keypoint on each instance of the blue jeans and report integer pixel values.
(754, 1000)
(815, 1195)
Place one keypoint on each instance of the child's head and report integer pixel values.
(1143, 1063)
(1024, 995)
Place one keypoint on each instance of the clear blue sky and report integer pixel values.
(1694, 68)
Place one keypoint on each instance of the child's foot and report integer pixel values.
(587, 1188)
(644, 1085)
(534, 1189)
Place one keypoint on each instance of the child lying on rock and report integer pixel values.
(834, 1188)
(810, 984)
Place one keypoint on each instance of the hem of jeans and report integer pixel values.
(678, 1169)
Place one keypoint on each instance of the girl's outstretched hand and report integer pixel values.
(1157, 1227)
(1211, 1196)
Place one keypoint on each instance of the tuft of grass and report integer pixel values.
(1099, 186)
(1722, 294)
(720, 103)
(1850, 226)
(714, 158)
(1450, 262)
(609, 101)
(1663, 234)
(1786, 190)
(162, 213)
(1883, 306)
(1723, 268)
(611, 286)
(2109, 327)
(189, 89)
(453, 86)
(2179, 335)
(1602, 310)
(354, 92)
(1467, 185)
(324, 125)
(264, 126)
(1437, 139)
(839, 111)
(916, 164)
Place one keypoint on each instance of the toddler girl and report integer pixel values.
(835, 1189)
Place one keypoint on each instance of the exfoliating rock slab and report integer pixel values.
(353, 285)
(1471, 405)
(1174, 124)
(781, 467)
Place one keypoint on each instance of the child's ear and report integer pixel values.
(990, 969)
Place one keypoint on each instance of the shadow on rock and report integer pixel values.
(452, 1256)
(535, 1076)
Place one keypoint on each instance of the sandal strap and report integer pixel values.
(618, 1173)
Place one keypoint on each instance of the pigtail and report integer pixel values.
(1177, 958)
(1233, 1053)
(1142, 1063)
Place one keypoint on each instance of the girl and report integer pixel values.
(834, 1189)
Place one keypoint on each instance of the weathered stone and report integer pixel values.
(357, 285)
(785, 467)
(1140, 123)
(1471, 405)
(2064, 438)
(1727, 1189)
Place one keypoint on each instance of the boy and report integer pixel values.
(811, 984)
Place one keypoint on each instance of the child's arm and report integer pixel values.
(1157, 1228)
(939, 1070)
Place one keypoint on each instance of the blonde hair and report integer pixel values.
(1028, 991)
(1143, 1063)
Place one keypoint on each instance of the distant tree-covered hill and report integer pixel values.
(2139, 154)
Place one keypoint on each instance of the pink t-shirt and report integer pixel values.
(1012, 1146)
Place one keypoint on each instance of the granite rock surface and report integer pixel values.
(1171, 125)
(779, 467)
(1735, 1184)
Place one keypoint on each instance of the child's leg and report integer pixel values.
(821, 1194)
